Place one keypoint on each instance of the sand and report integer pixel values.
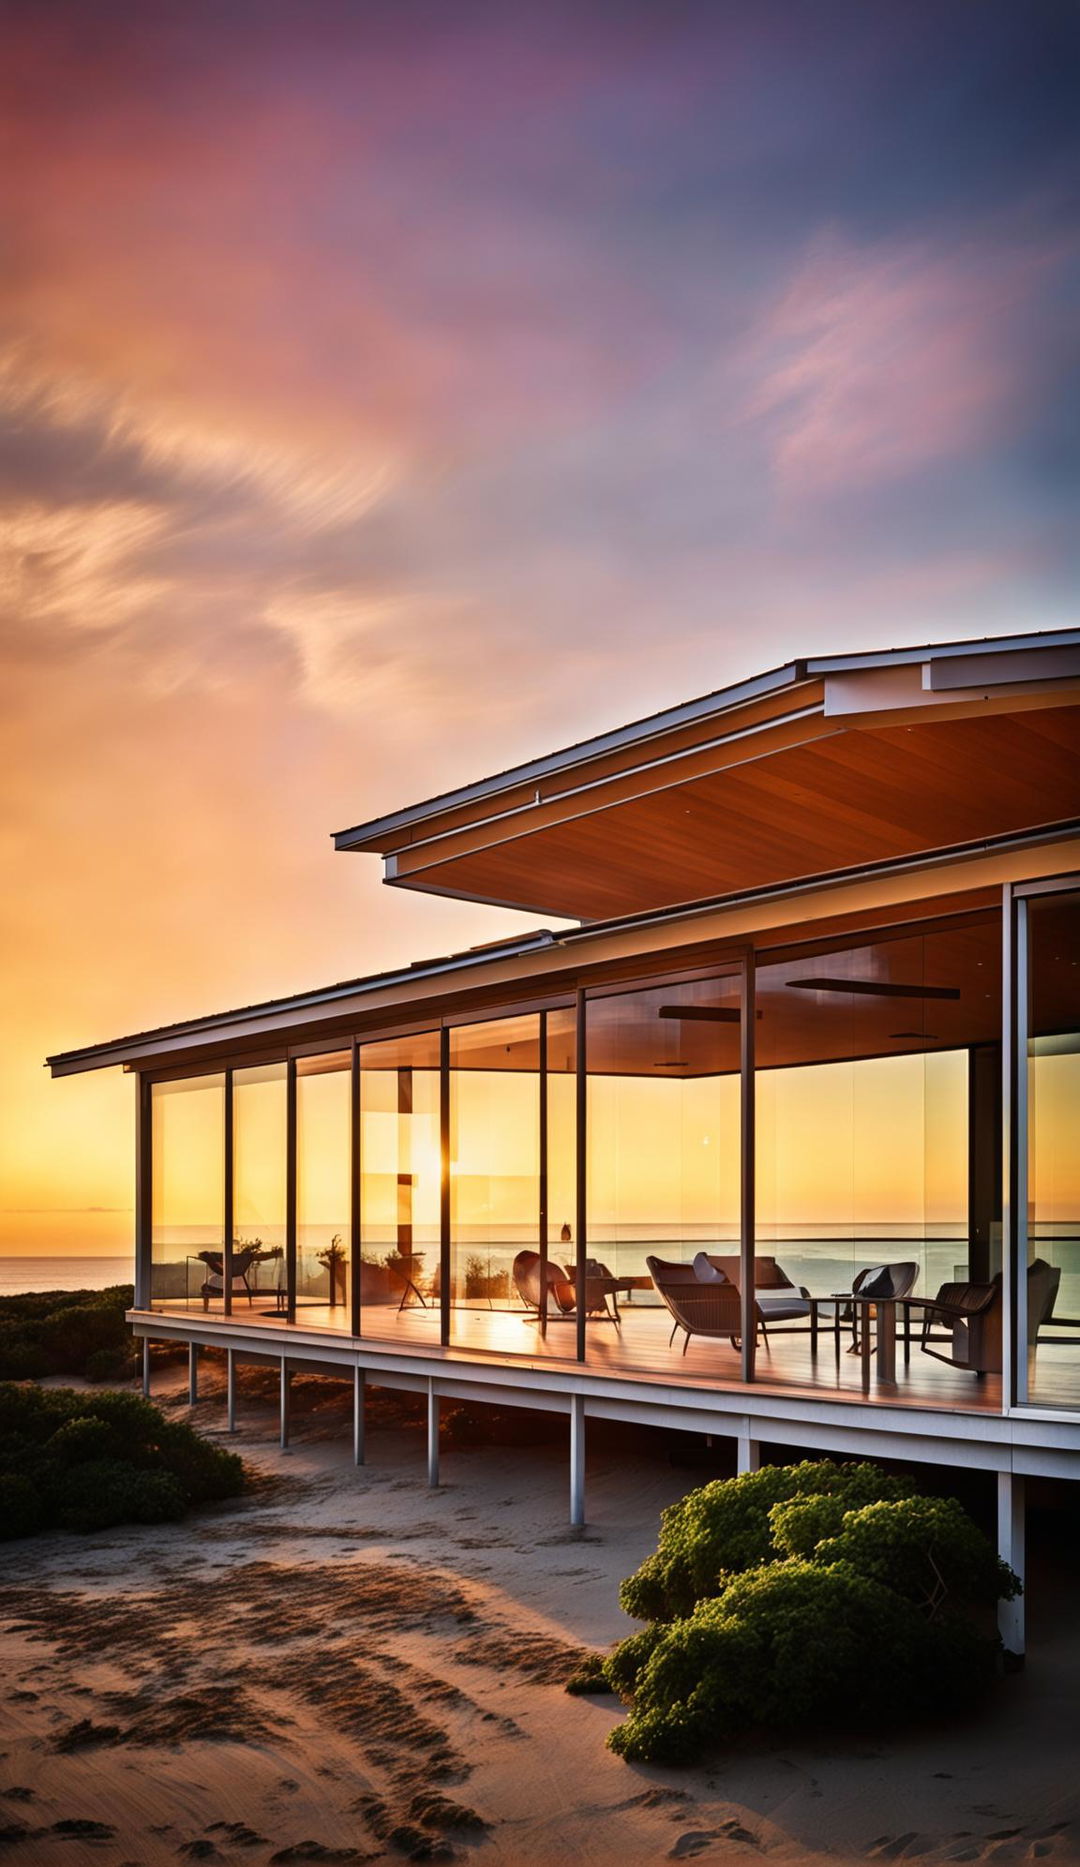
(345, 1666)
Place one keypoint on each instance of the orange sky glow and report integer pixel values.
(392, 393)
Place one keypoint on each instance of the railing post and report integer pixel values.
(577, 1460)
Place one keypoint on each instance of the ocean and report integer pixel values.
(48, 1273)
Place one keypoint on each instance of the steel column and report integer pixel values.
(359, 1398)
(432, 1435)
(748, 1457)
(1010, 1537)
(577, 1460)
(230, 1390)
(146, 1367)
(193, 1373)
(285, 1398)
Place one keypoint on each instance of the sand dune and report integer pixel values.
(346, 1666)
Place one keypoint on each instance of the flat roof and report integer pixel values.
(264, 1017)
(774, 680)
(821, 763)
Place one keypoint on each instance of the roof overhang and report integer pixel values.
(546, 967)
(821, 764)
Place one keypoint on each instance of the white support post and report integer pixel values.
(193, 1373)
(432, 1436)
(146, 1367)
(286, 1384)
(359, 1396)
(230, 1390)
(749, 1451)
(577, 1460)
(1010, 1525)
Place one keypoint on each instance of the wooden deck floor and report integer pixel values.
(640, 1350)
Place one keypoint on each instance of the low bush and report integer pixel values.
(801, 1597)
(72, 1461)
(67, 1332)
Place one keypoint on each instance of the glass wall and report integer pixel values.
(400, 1178)
(494, 1164)
(866, 1057)
(1051, 1220)
(559, 1151)
(323, 1170)
(187, 1203)
(663, 1114)
(259, 1178)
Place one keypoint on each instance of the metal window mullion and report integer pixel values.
(543, 1169)
(444, 1186)
(144, 1167)
(290, 1190)
(580, 1173)
(355, 1225)
(227, 1197)
(747, 1189)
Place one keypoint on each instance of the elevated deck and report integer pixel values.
(930, 1413)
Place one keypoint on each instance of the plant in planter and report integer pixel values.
(333, 1261)
(480, 1282)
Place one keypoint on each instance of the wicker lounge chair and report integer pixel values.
(698, 1308)
(968, 1318)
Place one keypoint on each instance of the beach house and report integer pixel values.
(774, 1134)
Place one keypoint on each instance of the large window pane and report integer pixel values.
(259, 1178)
(188, 1191)
(1053, 1153)
(494, 1161)
(323, 1148)
(663, 1140)
(877, 1113)
(400, 1177)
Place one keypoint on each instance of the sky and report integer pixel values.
(392, 392)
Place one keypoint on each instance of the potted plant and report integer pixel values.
(333, 1262)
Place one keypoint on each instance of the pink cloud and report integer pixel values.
(876, 363)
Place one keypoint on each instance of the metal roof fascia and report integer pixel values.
(128, 1049)
(789, 675)
(939, 651)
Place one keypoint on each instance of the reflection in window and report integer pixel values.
(323, 1152)
(864, 1144)
(663, 1123)
(259, 1178)
(494, 1157)
(400, 1177)
(1053, 1153)
(187, 1190)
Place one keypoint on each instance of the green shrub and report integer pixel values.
(801, 1597)
(726, 1527)
(64, 1331)
(82, 1462)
